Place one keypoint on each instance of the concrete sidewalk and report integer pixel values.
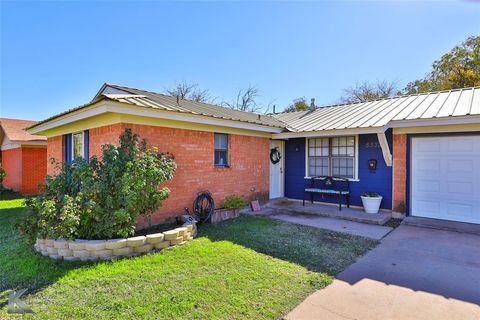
(355, 228)
(415, 273)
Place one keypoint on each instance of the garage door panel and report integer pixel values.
(460, 145)
(445, 178)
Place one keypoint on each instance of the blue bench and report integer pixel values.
(329, 185)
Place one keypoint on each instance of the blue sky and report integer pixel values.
(56, 55)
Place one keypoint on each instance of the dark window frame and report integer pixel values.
(224, 151)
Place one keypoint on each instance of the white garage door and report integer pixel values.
(445, 178)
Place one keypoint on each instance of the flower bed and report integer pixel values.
(93, 250)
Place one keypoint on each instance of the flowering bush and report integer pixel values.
(101, 198)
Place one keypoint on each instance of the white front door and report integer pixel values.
(445, 175)
(276, 170)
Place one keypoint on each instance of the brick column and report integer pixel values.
(399, 172)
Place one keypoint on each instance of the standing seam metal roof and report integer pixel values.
(378, 113)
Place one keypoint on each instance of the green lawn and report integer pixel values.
(247, 268)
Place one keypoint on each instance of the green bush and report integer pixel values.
(234, 202)
(2, 176)
(101, 198)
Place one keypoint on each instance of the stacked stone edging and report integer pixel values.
(93, 250)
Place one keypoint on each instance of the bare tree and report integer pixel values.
(246, 100)
(189, 91)
(366, 91)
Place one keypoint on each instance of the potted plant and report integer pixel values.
(371, 201)
(230, 208)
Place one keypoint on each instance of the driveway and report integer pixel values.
(414, 273)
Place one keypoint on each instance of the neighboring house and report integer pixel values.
(426, 147)
(23, 156)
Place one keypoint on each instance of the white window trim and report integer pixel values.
(355, 161)
(83, 144)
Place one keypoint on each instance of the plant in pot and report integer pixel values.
(230, 208)
(371, 201)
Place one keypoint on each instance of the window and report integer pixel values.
(77, 145)
(221, 149)
(332, 157)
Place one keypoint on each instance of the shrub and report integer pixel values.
(101, 198)
(370, 194)
(2, 176)
(234, 202)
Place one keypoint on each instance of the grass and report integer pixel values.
(393, 223)
(247, 268)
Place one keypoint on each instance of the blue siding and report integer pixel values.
(379, 181)
(86, 141)
(68, 147)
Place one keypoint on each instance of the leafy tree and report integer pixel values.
(101, 199)
(299, 104)
(458, 68)
(366, 91)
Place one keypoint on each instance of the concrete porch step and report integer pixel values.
(323, 210)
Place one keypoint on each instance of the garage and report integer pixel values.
(445, 177)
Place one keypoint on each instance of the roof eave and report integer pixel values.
(107, 105)
(329, 133)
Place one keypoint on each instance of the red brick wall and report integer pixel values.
(248, 174)
(399, 172)
(25, 167)
(54, 151)
(12, 164)
(34, 169)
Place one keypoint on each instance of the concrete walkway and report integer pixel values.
(355, 228)
(415, 273)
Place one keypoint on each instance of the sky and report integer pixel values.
(56, 55)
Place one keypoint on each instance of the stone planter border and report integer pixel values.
(94, 250)
(224, 214)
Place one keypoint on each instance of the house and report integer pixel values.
(23, 156)
(425, 148)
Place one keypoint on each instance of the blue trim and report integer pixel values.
(409, 158)
(86, 140)
(368, 148)
(68, 147)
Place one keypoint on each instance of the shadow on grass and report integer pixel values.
(20, 266)
(315, 249)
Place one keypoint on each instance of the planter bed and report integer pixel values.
(93, 250)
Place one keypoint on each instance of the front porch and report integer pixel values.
(329, 210)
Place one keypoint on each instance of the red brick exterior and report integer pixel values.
(12, 164)
(399, 172)
(34, 167)
(25, 167)
(248, 174)
(54, 151)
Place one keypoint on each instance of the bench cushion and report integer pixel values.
(317, 190)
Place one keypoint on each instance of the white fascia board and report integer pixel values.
(17, 144)
(117, 107)
(387, 154)
(87, 112)
(121, 108)
(435, 121)
(328, 133)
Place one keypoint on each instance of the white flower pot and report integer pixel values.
(371, 204)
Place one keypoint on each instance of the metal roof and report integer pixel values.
(155, 100)
(379, 113)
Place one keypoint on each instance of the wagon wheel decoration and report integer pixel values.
(275, 155)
